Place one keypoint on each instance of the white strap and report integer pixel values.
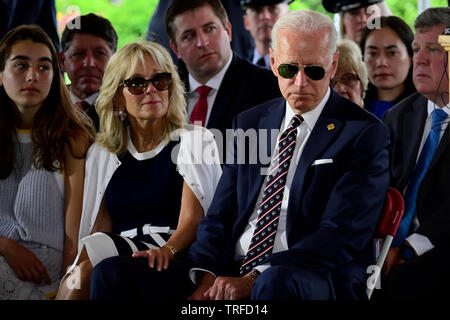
(149, 229)
(129, 233)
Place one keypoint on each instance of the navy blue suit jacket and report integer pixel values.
(14, 13)
(333, 208)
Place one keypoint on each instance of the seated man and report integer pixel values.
(418, 262)
(219, 83)
(259, 18)
(87, 45)
(300, 227)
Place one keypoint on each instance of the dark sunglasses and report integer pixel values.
(348, 79)
(138, 85)
(313, 72)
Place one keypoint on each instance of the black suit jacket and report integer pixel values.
(333, 207)
(244, 85)
(406, 122)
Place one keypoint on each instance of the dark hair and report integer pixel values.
(89, 24)
(433, 17)
(180, 6)
(56, 122)
(406, 35)
(396, 24)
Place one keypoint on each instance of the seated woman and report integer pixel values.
(388, 56)
(43, 141)
(150, 176)
(350, 80)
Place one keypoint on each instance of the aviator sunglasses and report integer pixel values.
(138, 85)
(314, 72)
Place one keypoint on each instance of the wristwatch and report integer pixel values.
(171, 249)
(253, 275)
(407, 252)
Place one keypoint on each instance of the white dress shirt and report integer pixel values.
(214, 83)
(420, 243)
(280, 242)
(257, 56)
(91, 99)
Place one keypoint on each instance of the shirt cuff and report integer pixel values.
(262, 267)
(419, 243)
(195, 272)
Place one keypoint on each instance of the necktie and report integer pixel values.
(83, 105)
(198, 115)
(424, 161)
(269, 211)
(261, 62)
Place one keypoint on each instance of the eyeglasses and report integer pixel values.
(138, 85)
(314, 72)
(348, 79)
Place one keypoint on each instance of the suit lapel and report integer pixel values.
(227, 88)
(324, 132)
(413, 125)
(270, 121)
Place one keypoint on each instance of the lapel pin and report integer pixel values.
(330, 126)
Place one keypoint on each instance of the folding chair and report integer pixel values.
(386, 231)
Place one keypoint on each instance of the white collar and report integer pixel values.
(310, 117)
(431, 106)
(91, 99)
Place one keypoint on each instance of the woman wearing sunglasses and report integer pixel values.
(43, 141)
(388, 56)
(350, 80)
(150, 175)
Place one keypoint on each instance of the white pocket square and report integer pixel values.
(321, 161)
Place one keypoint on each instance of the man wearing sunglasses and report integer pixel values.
(302, 226)
(219, 83)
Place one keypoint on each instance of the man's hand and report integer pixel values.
(393, 259)
(230, 288)
(24, 263)
(205, 282)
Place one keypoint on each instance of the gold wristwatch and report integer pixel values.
(171, 249)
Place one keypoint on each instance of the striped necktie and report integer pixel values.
(263, 237)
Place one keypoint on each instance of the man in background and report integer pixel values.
(86, 48)
(259, 18)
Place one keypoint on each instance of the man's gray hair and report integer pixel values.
(433, 17)
(306, 21)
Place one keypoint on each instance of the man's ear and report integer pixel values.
(247, 27)
(62, 59)
(272, 62)
(174, 48)
(335, 64)
(228, 30)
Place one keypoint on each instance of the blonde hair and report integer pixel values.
(350, 57)
(113, 134)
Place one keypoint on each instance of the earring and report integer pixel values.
(121, 114)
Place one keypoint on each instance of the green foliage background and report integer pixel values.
(130, 17)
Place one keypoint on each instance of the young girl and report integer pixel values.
(43, 139)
